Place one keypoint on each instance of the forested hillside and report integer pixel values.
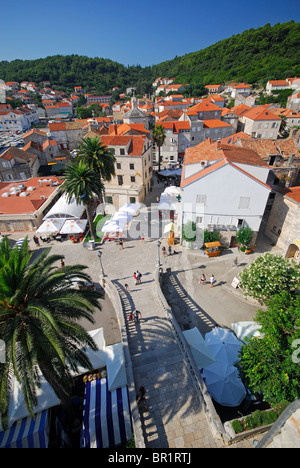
(256, 55)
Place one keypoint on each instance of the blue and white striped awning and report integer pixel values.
(106, 416)
(27, 433)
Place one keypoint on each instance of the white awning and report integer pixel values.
(27, 433)
(106, 416)
(63, 209)
(115, 365)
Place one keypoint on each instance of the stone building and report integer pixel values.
(133, 168)
(283, 225)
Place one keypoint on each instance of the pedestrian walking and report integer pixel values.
(202, 279)
(134, 276)
(62, 263)
(138, 277)
(137, 315)
(163, 251)
(121, 243)
(169, 250)
(212, 281)
(126, 287)
(131, 317)
(36, 240)
(142, 238)
(235, 262)
(141, 400)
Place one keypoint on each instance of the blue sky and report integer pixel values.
(130, 32)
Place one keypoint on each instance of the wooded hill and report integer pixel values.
(256, 55)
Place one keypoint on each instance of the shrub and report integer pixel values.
(189, 231)
(259, 418)
(268, 275)
(237, 426)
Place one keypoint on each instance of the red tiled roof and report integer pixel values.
(260, 113)
(136, 142)
(278, 83)
(214, 151)
(203, 106)
(215, 123)
(294, 193)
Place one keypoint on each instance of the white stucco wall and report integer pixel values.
(259, 172)
(223, 189)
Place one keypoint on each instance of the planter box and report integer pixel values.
(233, 437)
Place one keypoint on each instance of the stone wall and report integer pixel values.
(283, 226)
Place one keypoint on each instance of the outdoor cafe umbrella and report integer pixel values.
(51, 226)
(246, 329)
(224, 346)
(172, 190)
(224, 384)
(74, 226)
(200, 350)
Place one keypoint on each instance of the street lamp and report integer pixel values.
(100, 260)
(158, 253)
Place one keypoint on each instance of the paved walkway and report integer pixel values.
(175, 418)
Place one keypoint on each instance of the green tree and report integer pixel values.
(268, 363)
(93, 152)
(84, 184)
(268, 275)
(159, 136)
(244, 236)
(39, 314)
(83, 112)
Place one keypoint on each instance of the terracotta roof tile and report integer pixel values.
(260, 113)
(214, 151)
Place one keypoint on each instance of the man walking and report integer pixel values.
(137, 315)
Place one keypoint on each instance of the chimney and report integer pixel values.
(218, 144)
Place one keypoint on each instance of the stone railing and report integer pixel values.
(205, 399)
(115, 299)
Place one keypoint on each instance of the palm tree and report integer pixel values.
(82, 183)
(93, 152)
(39, 314)
(159, 136)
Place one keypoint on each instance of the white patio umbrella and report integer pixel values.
(74, 226)
(50, 226)
(167, 205)
(113, 226)
(224, 346)
(224, 384)
(122, 216)
(130, 208)
(172, 190)
(200, 350)
(246, 329)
